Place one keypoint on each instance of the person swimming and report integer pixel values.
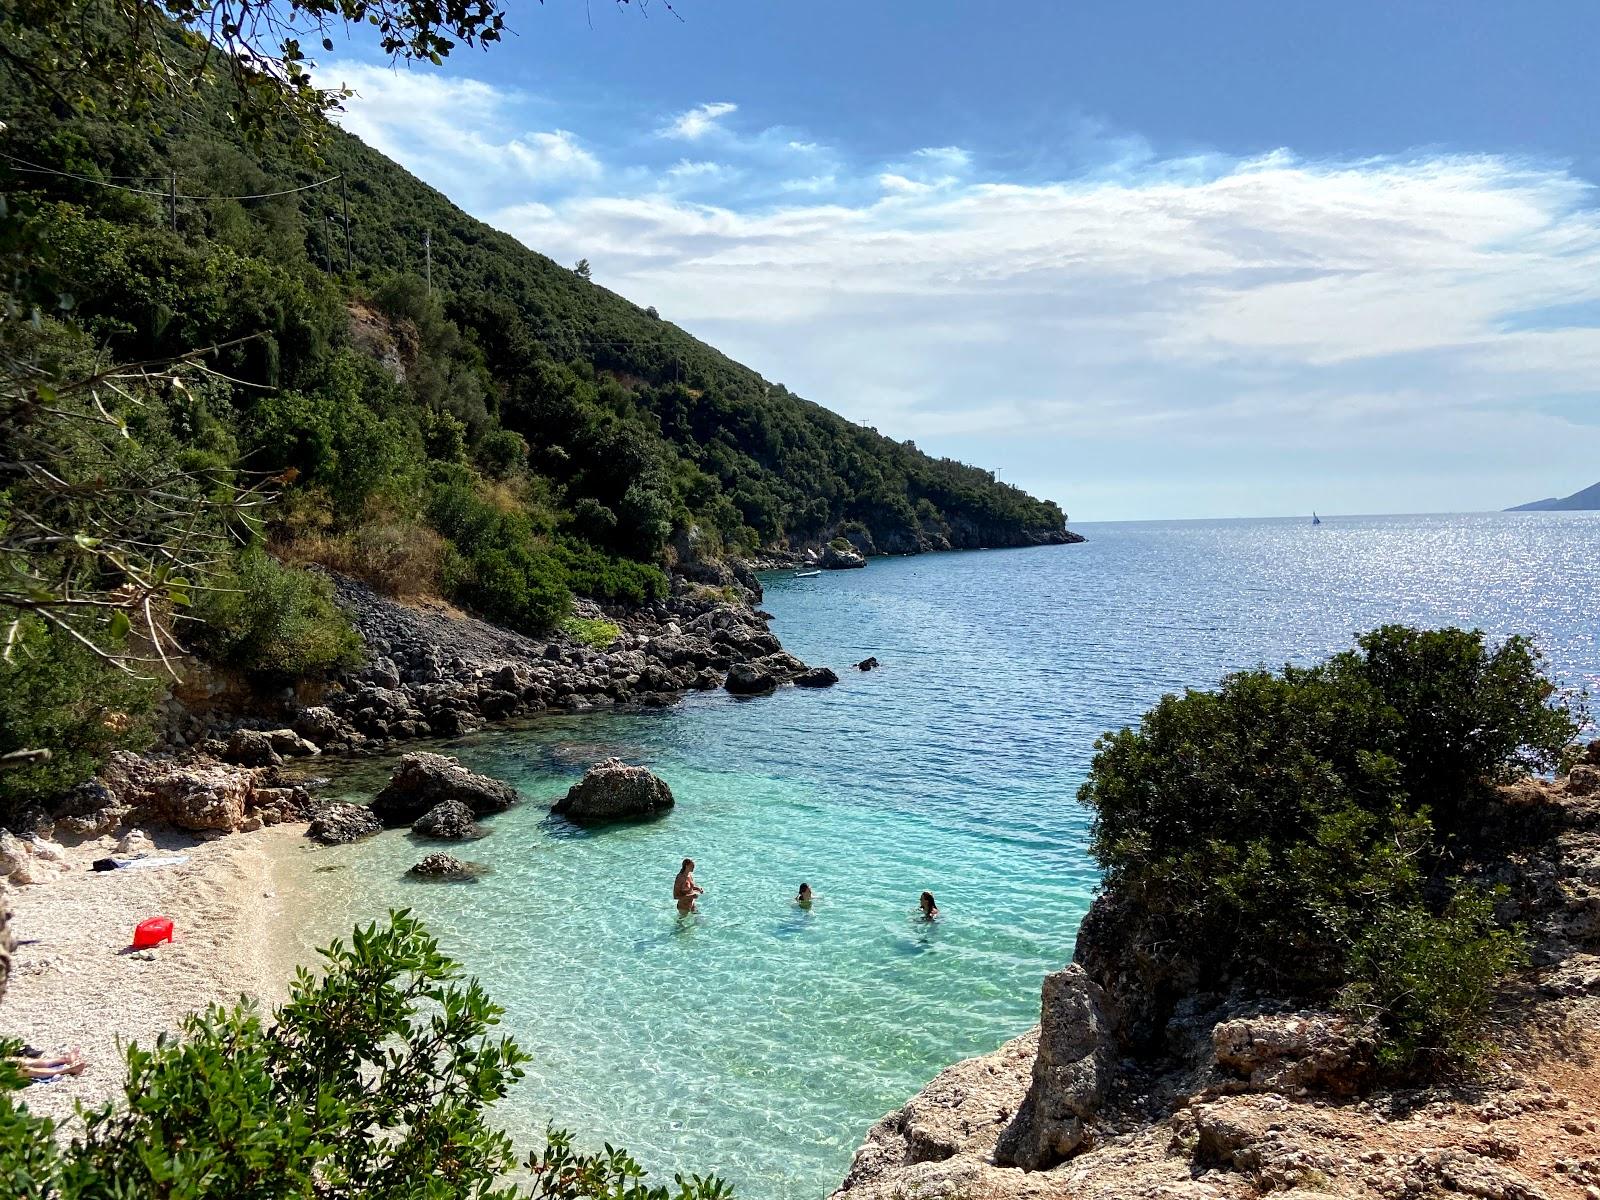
(803, 897)
(930, 910)
(684, 889)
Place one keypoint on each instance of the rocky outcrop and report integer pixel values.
(422, 781)
(1071, 1075)
(204, 796)
(449, 821)
(841, 558)
(816, 677)
(614, 791)
(340, 824)
(29, 860)
(867, 664)
(1141, 1085)
(748, 679)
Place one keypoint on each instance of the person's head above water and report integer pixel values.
(928, 906)
(805, 891)
(688, 864)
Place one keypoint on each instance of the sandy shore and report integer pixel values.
(75, 983)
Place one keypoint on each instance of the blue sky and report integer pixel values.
(1155, 260)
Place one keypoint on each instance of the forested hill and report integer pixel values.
(518, 415)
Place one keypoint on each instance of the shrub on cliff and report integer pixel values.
(1294, 829)
(275, 620)
(374, 1081)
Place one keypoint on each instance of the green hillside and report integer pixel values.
(514, 435)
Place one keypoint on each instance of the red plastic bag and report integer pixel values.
(152, 932)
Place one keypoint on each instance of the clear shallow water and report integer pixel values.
(760, 1041)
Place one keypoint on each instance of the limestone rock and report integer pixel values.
(318, 724)
(135, 841)
(1295, 1052)
(614, 791)
(449, 820)
(424, 780)
(339, 824)
(816, 677)
(747, 679)
(204, 796)
(835, 559)
(250, 748)
(447, 869)
(29, 860)
(1584, 780)
(290, 744)
(1077, 1055)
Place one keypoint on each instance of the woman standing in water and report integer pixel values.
(803, 899)
(930, 910)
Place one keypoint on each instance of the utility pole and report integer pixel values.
(344, 198)
(172, 198)
(427, 256)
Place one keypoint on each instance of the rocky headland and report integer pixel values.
(1136, 1086)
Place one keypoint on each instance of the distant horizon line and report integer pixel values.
(1308, 514)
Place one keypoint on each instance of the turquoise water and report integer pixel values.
(761, 1041)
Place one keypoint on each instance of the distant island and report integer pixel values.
(1589, 497)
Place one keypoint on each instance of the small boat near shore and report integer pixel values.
(807, 574)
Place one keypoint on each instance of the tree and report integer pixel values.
(581, 269)
(373, 1081)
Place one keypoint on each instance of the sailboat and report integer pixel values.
(1316, 520)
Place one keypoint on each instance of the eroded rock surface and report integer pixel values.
(614, 791)
(423, 780)
(340, 824)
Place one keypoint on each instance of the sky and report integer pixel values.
(1151, 260)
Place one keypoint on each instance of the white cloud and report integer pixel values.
(700, 120)
(1183, 309)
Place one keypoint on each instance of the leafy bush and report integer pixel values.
(1290, 828)
(276, 620)
(373, 1080)
(600, 576)
(57, 696)
(592, 631)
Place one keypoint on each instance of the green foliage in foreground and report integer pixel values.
(1297, 829)
(373, 1083)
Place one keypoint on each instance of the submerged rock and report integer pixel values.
(614, 791)
(447, 869)
(816, 677)
(867, 664)
(339, 824)
(422, 781)
(449, 821)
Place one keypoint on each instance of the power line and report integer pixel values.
(33, 168)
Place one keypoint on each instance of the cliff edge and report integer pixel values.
(1137, 1087)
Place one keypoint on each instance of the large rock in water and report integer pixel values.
(748, 679)
(338, 824)
(614, 791)
(450, 821)
(1077, 1055)
(447, 869)
(422, 781)
(834, 559)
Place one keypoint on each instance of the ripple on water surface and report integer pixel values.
(761, 1041)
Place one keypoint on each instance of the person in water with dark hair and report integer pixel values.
(930, 910)
(803, 899)
(684, 889)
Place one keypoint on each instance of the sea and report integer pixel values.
(760, 1041)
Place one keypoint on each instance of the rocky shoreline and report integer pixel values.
(1136, 1087)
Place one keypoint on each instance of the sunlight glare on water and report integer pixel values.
(760, 1041)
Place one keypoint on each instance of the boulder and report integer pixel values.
(206, 796)
(816, 677)
(449, 821)
(1077, 1055)
(250, 748)
(747, 679)
(835, 559)
(290, 744)
(318, 724)
(1295, 1052)
(29, 860)
(614, 791)
(867, 664)
(446, 869)
(422, 781)
(339, 824)
(135, 841)
(1584, 780)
